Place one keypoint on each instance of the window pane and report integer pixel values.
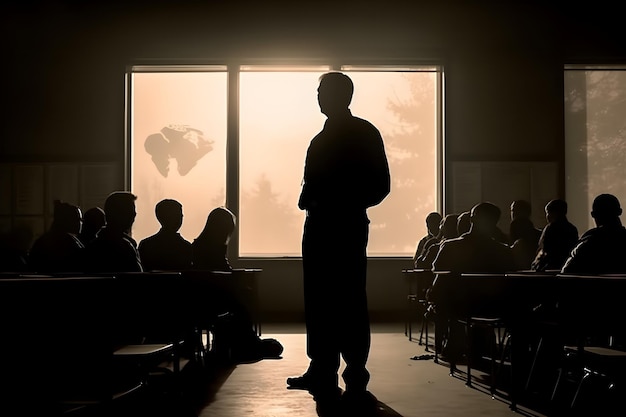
(403, 105)
(178, 145)
(595, 139)
(279, 116)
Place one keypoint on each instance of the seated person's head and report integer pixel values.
(433, 221)
(67, 217)
(463, 223)
(484, 218)
(448, 229)
(94, 219)
(220, 225)
(119, 209)
(556, 209)
(520, 209)
(605, 209)
(170, 214)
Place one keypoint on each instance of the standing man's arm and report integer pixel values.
(378, 178)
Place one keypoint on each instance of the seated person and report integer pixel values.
(93, 221)
(433, 220)
(233, 328)
(59, 249)
(523, 235)
(557, 240)
(14, 246)
(463, 223)
(166, 250)
(114, 250)
(475, 251)
(209, 249)
(447, 230)
(601, 249)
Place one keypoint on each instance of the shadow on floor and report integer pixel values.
(380, 410)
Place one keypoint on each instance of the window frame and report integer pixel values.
(233, 69)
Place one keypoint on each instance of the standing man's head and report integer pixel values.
(484, 218)
(606, 209)
(334, 93)
(170, 214)
(119, 209)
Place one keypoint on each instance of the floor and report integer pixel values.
(404, 387)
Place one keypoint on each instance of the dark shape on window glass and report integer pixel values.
(184, 144)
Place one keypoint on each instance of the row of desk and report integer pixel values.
(58, 333)
(570, 309)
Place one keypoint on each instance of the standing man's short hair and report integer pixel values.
(340, 84)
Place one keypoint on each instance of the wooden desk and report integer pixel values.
(240, 284)
(510, 301)
(56, 341)
(591, 304)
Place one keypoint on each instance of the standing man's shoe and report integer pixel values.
(361, 401)
(301, 382)
(314, 386)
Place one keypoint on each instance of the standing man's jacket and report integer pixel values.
(346, 168)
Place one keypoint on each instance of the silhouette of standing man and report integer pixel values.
(346, 171)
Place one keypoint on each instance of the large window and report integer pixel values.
(178, 144)
(272, 114)
(595, 138)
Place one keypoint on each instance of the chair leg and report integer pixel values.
(557, 384)
(534, 363)
(435, 341)
(493, 348)
(468, 381)
(408, 321)
(424, 333)
(579, 388)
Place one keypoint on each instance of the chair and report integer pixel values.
(591, 313)
(150, 323)
(442, 310)
(485, 307)
(417, 282)
(214, 296)
(533, 322)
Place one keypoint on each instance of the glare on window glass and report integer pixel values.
(595, 138)
(178, 135)
(279, 116)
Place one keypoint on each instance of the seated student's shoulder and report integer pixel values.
(448, 250)
(455, 241)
